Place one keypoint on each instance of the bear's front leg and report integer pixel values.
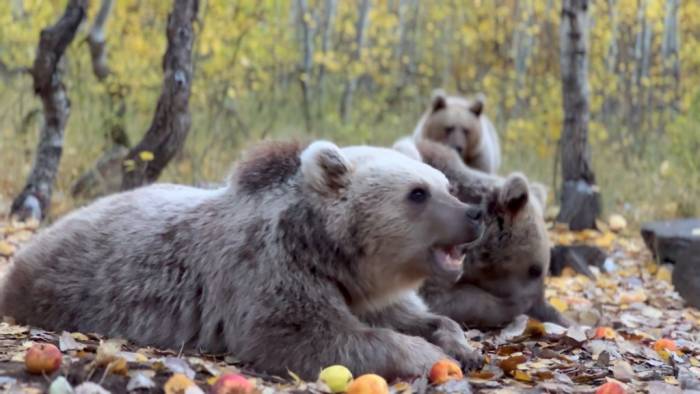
(473, 306)
(410, 316)
(303, 336)
(545, 312)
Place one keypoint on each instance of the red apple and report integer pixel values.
(232, 383)
(42, 358)
(445, 370)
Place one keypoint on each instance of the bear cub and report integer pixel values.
(311, 256)
(461, 124)
(503, 274)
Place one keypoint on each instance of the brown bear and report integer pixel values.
(461, 124)
(503, 273)
(310, 256)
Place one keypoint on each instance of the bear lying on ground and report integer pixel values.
(503, 274)
(461, 124)
(310, 257)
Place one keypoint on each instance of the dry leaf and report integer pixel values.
(559, 304)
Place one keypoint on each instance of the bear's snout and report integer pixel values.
(475, 213)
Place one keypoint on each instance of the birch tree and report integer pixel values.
(580, 199)
(171, 121)
(361, 37)
(34, 200)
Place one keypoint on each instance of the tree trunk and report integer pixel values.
(670, 49)
(580, 200)
(307, 44)
(329, 10)
(351, 84)
(96, 41)
(171, 121)
(35, 199)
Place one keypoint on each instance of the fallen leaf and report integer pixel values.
(107, 351)
(553, 329)
(6, 249)
(139, 380)
(178, 365)
(66, 342)
(622, 371)
(577, 333)
(559, 304)
(90, 388)
(534, 328)
(617, 223)
(509, 364)
(178, 384)
(522, 376)
(663, 273)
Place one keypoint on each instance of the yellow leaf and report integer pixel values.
(118, 367)
(177, 384)
(78, 336)
(663, 274)
(606, 240)
(6, 249)
(632, 297)
(559, 304)
(295, 377)
(522, 376)
(129, 165)
(617, 223)
(145, 155)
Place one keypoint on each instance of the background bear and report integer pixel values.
(504, 273)
(461, 124)
(309, 258)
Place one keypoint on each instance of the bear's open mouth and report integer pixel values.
(448, 257)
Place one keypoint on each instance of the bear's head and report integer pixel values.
(455, 122)
(399, 212)
(515, 243)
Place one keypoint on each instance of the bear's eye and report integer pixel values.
(449, 129)
(418, 195)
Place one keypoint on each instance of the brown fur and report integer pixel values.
(461, 124)
(504, 274)
(279, 268)
(268, 164)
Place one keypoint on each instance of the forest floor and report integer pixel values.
(634, 332)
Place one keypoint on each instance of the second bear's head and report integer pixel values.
(454, 121)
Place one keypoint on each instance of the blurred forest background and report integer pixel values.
(362, 72)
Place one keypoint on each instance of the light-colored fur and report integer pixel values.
(310, 257)
(460, 123)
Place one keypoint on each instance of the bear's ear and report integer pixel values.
(514, 194)
(407, 146)
(477, 104)
(325, 168)
(438, 100)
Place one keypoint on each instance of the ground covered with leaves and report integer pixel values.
(635, 335)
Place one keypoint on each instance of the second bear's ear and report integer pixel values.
(325, 168)
(539, 193)
(408, 147)
(438, 100)
(477, 104)
(514, 194)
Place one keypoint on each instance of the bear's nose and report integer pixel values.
(458, 149)
(474, 214)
